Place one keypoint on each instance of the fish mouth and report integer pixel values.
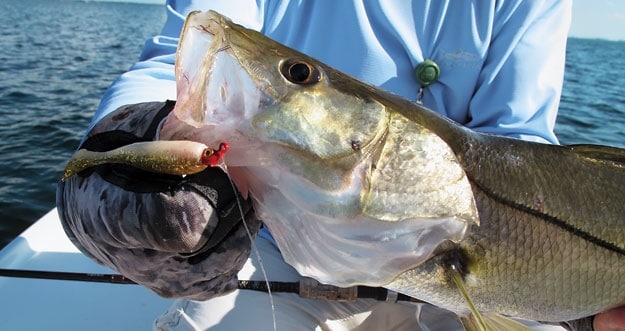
(216, 96)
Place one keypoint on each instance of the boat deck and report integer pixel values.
(40, 304)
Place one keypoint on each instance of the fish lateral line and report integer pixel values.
(554, 221)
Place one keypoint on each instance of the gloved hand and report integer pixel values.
(178, 236)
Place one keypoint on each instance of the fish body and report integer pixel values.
(549, 245)
(359, 186)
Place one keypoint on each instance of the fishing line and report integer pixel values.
(255, 249)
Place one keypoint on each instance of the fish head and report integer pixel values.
(319, 152)
(241, 84)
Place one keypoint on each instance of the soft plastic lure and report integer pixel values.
(172, 157)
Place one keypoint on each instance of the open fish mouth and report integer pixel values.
(310, 167)
(215, 94)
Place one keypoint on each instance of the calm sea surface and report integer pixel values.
(56, 60)
(58, 57)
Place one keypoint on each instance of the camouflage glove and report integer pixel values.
(180, 237)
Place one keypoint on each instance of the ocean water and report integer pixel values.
(592, 107)
(58, 57)
(56, 60)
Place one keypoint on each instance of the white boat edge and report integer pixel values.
(48, 304)
(40, 304)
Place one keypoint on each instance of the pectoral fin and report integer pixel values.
(476, 321)
(494, 322)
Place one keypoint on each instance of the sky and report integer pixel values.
(604, 19)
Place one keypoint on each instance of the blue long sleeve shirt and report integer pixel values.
(502, 62)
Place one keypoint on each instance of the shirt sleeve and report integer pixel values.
(518, 90)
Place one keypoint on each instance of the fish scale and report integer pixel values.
(428, 164)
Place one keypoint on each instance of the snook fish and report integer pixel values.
(360, 186)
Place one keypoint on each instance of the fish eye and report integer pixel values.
(299, 72)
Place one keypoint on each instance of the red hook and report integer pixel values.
(212, 157)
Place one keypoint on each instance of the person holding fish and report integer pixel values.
(494, 67)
